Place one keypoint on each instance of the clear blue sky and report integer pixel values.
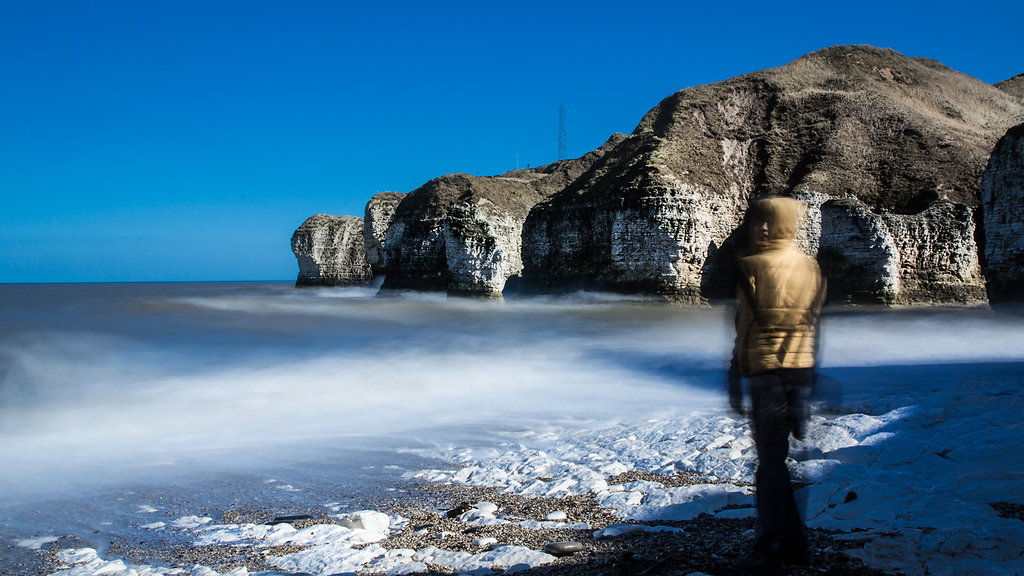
(187, 139)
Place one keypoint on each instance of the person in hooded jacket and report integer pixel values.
(779, 300)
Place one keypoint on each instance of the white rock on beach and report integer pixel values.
(87, 562)
(329, 558)
(483, 514)
(505, 556)
(557, 516)
(370, 520)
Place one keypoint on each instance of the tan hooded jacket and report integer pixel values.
(780, 295)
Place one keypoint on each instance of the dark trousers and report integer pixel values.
(781, 406)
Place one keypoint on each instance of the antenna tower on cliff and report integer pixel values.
(561, 133)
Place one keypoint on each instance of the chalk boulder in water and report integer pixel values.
(331, 252)
(1002, 197)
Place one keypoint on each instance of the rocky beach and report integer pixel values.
(434, 519)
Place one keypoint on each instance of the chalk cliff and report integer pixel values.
(1002, 197)
(331, 252)
(463, 233)
(887, 151)
(907, 138)
(900, 258)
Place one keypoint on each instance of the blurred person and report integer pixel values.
(779, 300)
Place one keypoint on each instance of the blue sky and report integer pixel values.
(166, 140)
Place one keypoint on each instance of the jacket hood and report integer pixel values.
(783, 216)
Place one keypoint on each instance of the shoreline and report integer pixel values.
(440, 515)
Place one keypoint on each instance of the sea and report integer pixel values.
(205, 397)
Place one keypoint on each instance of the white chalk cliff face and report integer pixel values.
(459, 234)
(330, 251)
(379, 213)
(482, 247)
(1002, 198)
(900, 258)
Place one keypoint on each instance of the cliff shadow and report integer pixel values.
(719, 274)
(838, 389)
(695, 371)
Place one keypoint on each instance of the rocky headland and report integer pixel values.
(887, 151)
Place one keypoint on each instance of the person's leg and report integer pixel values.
(770, 428)
(798, 385)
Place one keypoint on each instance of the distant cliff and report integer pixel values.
(888, 152)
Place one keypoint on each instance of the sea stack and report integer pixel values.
(331, 252)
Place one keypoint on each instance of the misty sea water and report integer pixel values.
(121, 404)
(121, 398)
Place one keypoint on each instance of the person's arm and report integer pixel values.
(744, 318)
(735, 387)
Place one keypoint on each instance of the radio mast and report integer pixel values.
(561, 133)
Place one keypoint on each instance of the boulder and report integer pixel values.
(331, 252)
(1002, 197)
(659, 213)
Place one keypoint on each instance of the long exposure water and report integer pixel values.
(206, 395)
